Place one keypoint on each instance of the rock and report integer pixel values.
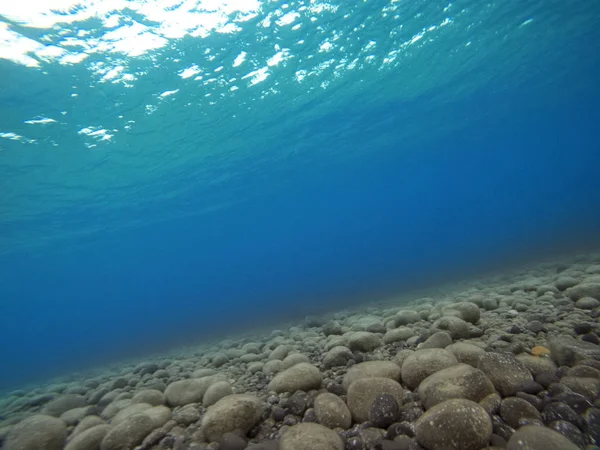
(159, 415)
(455, 326)
(406, 317)
(151, 396)
(398, 335)
(422, 363)
(216, 392)
(230, 414)
(588, 387)
(384, 411)
(514, 409)
(130, 410)
(363, 392)
(38, 432)
(382, 369)
(337, 356)
(491, 403)
(184, 392)
(537, 365)
(489, 304)
(363, 341)
(293, 359)
(128, 434)
(63, 403)
(565, 282)
(504, 371)
(280, 352)
(533, 437)
(467, 311)
(89, 439)
(459, 381)
(186, 415)
(568, 351)
(456, 424)
(587, 303)
(301, 377)
(561, 411)
(466, 353)
(310, 436)
(332, 412)
(85, 424)
(441, 339)
(231, 441)
(583, 290)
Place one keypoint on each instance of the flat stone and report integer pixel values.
(301, 377)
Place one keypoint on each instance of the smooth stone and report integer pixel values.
(363, 341)
(532, 437)
(337, 356)
(363, 392)
(459, 381)
(454, 326)
(38, 432)
(216, 392)
(184, 392)
(89, 439)
(567, 351)
(231, 413)
(397, 335)
(423, 363)
(441, 339)
(332, 412)
(456, 424)
(466, 353)
(368, 369)
(310, 436)
(301, 377)
(467, 311)
(504, 371)
(128, 434)
(514, 409)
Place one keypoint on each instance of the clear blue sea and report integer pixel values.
(173, 171)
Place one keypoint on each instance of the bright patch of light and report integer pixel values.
(277, 58)
(325, 46)
(40, 120)
(100, 134)
(189, 72)
(239, 59)
(168, 93)
(257, 76)
(288, 19)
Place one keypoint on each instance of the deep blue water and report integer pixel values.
(477, 148)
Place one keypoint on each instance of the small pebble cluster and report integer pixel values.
(507, 362)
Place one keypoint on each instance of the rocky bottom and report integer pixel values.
(510, 361)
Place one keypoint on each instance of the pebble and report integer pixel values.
(422, 363)
(505, 372)
(38, 432)
(301, 377)
(363, 392)
(310, 436)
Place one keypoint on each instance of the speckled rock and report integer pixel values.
(514, 409)
(38, 432)
(301, 377)
(422, 363)
(467, 311)
(363, 341)
(457, 424)
(406, 317)
(583, 290)
(383, 369)
(332, 412)
(294, 358)
(89, 439)
(184, 392)
(130, 410)
(85, 424)
(441, 339)
(398, 335)
(454, 326)
(536, 364)
(363, 392)
(505, 371)
(568, 351)
(586, 386)
(310, 436)
(587, 303)
(466, 353)
(151, 396)
(459, 381)
(231, 413)
(532, 437)
(337, 356)
(216, 392)
(128, 434)
(62, 404)
(159, 415)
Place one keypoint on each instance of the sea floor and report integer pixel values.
(508, 361)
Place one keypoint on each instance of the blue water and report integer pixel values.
(354, 150)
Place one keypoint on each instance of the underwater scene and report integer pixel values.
(299, 225)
